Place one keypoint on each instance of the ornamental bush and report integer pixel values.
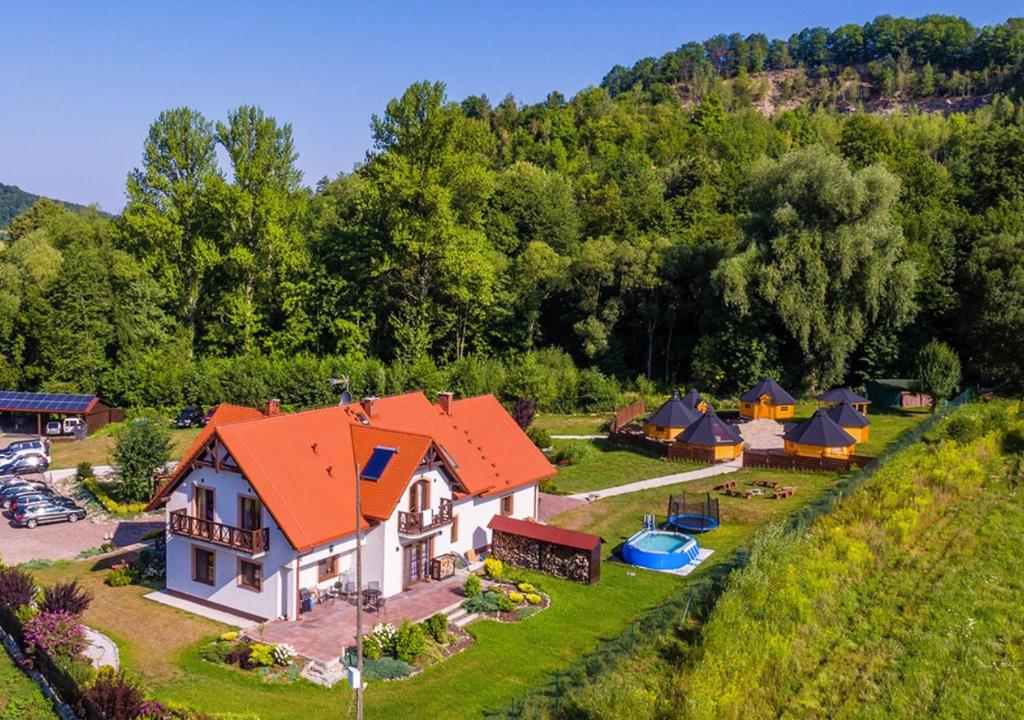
(472, 586)
(69, 597)
(58, 634)
(16, 587)
(515, 597)
(371, 647)
(493, 567)
(540, 437)
(483, 603)
(121, 574)
(409, 642)
(387, 669)
(261, 654)
(505, 604)
(436, 626)
(386, 635)
(525, 587)
(533, 598)
(113, 696)
(283, 654)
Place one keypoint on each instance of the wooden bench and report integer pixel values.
(745, 494)
(783, 492)
(727, 485)
(774, 484)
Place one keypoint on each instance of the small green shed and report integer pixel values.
(896, 393)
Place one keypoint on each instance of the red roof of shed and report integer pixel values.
(545, 533)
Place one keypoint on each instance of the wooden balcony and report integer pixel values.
(250, 541)
(416, 523)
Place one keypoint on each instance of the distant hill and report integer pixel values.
(14, 201)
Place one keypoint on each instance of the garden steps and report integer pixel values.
(458, 616)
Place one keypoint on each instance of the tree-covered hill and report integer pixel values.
(499, 246)
(14, 201)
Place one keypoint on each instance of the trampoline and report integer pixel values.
(692, 514)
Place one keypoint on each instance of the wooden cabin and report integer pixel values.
(819, 437)
(850, 420)
(670, 419)
(767, 401)
(712, 433)
(843, 395)
(694, 401)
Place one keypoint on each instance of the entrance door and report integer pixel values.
(417, 561)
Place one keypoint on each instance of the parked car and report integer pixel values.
(207, 416)
(24, 499)
(58, 509)
(9, 496)
(71, 423)
(38, 445)
(28, 463)
(9, 481)
(54, 427)
(189, 417)
(8, 456)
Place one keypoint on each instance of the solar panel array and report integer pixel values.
(44, 402)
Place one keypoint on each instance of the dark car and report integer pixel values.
(40, 445)
(8, 494)
(28, 497)
(24, 464)
(57, 509)
(13, 481)
(189, 417)
(207, 416)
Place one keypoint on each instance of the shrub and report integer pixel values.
(387, 669)
(16, 587)
(229, 636)
(58, 634)
(513, 575)
(533, 598)
(505, 604)
(386, 635)
(436, 626)
(493, 568)
(409, 642)
(964, 427)
(24, 613)
(261, 654)
(515, 597)
(216, 652)
(484, 603)
(525, 587)
(69, 597)
(143, 446)
(241, 656)
(472, 586)
(371, 647)
(540, 437)
(113, 696)
(120, 575)
(84, 471)
(109, 504)
(283, 654)
(573, 453)
(597, 391)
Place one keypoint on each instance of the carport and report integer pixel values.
(90, 408)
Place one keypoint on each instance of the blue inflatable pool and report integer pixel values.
(660, 550)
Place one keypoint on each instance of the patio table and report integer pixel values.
(370, 596)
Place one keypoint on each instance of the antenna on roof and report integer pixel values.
(346, 396)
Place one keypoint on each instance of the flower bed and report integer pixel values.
(391, 653)
(509, 597)
(271, 662)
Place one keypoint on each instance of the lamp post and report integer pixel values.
(359, 601)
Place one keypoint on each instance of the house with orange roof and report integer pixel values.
(263, 505)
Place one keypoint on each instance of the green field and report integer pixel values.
(607, 465)
(20, 698)
(557, 424)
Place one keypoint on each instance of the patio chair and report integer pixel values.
(373, 585)
(380, 605)
(348, 591)
(305, 600)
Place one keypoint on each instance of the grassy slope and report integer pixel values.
(572, 424)
(97, 449)
(20, 698)
(608, 465)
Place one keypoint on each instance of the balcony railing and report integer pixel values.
(250, 541)
(416, 523)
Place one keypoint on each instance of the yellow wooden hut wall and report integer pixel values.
(862, 408)
(721, 452)
(860, 434)
(818, 451)
(765, 409)
(659, 432)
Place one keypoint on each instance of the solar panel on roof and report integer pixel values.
(45, 402)
(378, 463)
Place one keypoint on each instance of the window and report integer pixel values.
(203, 566)
(455, 529)
(250, 575)
(378, 462)
(328, 568)
(204, 503)
(506, 505)
(419, 496)
(250, 513)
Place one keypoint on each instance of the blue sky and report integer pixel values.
(80, 82)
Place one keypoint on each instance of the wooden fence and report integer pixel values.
(781, 461)
(626, 415)
(661, 448)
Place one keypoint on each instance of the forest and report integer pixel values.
(633, 235)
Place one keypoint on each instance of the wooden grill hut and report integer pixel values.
(844, 395)
(670, 419)
(819, 437)
(767, 401)
(712, 433)
(694, 401)
(853, 422)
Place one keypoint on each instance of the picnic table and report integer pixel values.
(727, 485)
(783, 492)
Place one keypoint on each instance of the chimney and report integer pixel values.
(273, 408)
(369, 406)
(445, 400)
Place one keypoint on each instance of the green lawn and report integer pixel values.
(20, 698)
(608, 465)
(557, 424)
(886, 425)
(97, 449)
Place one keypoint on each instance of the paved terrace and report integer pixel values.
(323, 632)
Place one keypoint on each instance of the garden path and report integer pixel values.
(599, 436)
(651, 483)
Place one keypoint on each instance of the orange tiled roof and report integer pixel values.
(302, 465)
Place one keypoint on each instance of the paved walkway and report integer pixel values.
(101, 650)
(762, 434)
(550, 505)
(651, 483)
(580, 437)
